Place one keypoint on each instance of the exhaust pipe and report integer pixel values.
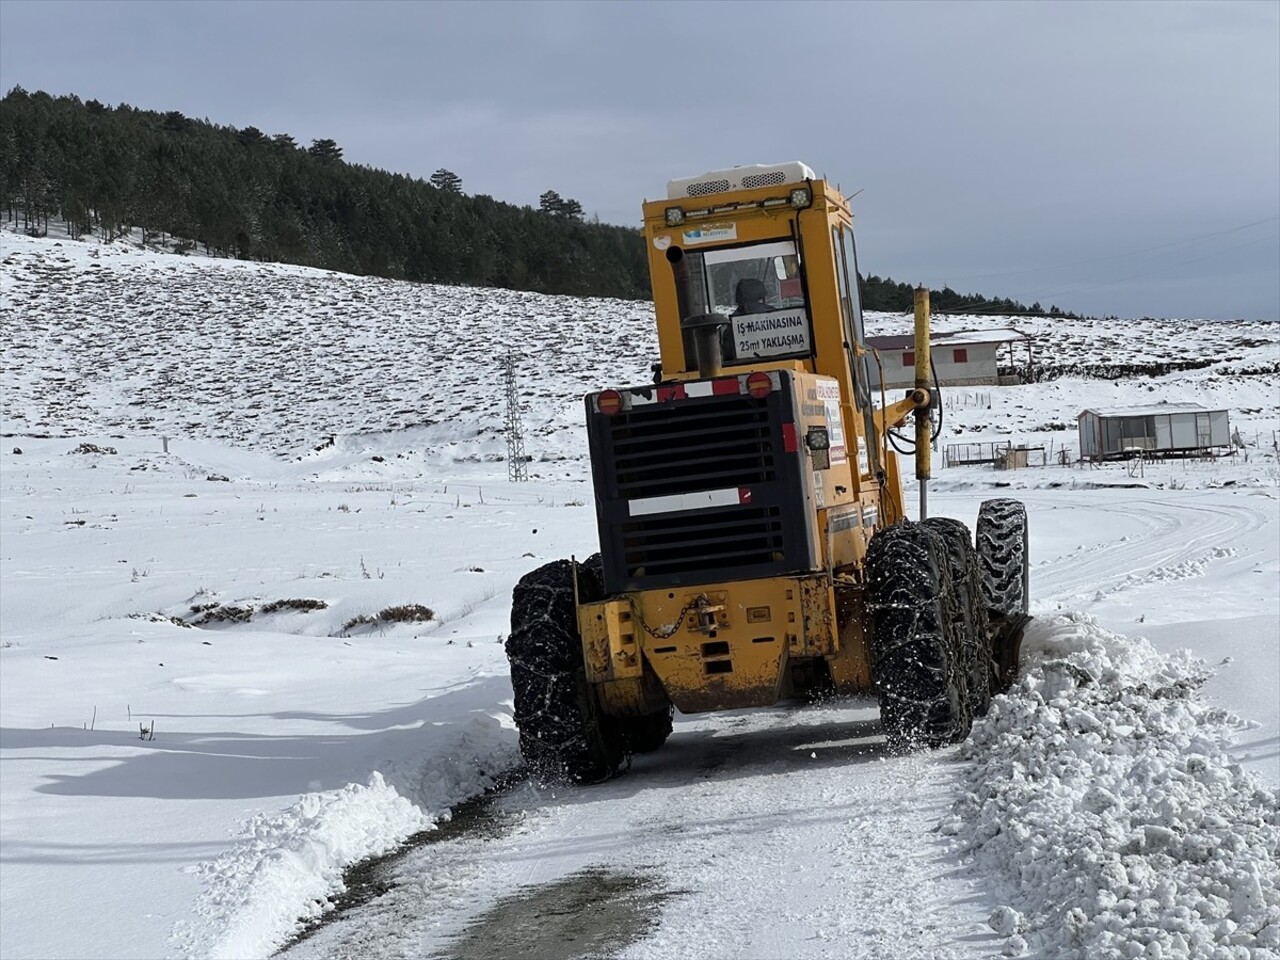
(707, 346)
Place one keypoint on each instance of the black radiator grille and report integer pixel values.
(731, 446)
(703, 541)
(692, 446)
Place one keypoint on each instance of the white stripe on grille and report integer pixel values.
(684, 501)
(694, 388)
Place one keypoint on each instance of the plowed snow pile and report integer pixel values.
(260, 890)
(1102, 804)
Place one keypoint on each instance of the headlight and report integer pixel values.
(675, 216)
(800, 198)
(817, 439)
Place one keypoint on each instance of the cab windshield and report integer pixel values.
(759, 289)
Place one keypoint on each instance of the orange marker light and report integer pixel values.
(609, 402)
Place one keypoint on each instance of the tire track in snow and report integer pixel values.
(1185, 535)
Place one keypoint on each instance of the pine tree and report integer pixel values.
(558, 206)
(326, 150)
(446, 180)
(550, 202)
(571, 209)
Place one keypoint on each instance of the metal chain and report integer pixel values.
(658, 634)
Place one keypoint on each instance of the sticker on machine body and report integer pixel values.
(841, 519)
(828, 392)
(711, 233)
(702, 500)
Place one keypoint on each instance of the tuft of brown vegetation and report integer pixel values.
(227, 614)
(160, 618)
(218, 613)
(302, 605)
(407, 613)
(403, 613)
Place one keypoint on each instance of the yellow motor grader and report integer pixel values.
(754, 543)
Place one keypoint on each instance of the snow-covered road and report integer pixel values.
(779, 833)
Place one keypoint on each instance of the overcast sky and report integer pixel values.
(1107, 157)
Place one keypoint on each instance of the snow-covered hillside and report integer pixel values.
(230, 670)
(107, 338)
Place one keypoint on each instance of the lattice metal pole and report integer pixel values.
(517, 469)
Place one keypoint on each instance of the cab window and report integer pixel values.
(759, 289)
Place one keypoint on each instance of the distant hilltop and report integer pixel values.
(106, 339)
(242, 193)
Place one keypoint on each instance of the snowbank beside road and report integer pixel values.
(262, 890)
(1102, 801)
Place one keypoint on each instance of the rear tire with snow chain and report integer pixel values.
(914, 647)
(563, 733)
(646, 734)
(968, 613)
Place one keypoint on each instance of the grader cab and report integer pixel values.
(754, 544)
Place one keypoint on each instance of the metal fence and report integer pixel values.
(1001, 454)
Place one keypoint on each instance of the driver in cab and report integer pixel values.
(750, 297)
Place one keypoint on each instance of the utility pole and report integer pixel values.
(517, 469)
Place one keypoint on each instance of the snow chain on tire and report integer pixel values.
(968, 612)
(646, 734)
(563, 734)
(914, 646)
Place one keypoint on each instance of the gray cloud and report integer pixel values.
(1034, 150)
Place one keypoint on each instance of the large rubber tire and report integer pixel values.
(1003, 558)
(914, 648)
(646, 734)
(1004, 565)
(563, 734)
(968, 613)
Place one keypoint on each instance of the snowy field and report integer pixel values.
(232, 669)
